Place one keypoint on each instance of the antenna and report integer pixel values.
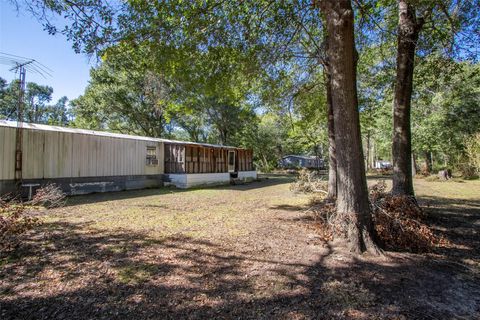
(21, 65)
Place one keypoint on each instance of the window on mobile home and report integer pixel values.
(152, 156)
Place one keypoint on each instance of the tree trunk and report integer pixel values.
(428, 162)
(332, 160)
(408, 30)
(374, 155)
(367, 157)
(352, 195)
(414, 165)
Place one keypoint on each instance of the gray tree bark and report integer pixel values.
(408, 30)
(428, 162)
(414, 165)
(332, 160)
(352, 194)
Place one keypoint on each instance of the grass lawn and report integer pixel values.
(247, 251)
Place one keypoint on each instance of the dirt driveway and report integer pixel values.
(241, 252)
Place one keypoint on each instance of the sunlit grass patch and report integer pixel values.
(136, 273)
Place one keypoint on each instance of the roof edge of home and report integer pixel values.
(44, 127)
(301, 156)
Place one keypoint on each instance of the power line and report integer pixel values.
(32, 65)
(22, 65)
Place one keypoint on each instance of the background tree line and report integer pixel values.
(37, 104)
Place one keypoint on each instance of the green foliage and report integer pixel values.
(470, 168)
(201, 97)
(445, 108)
(124, 96)
(35, 104)
(267, 137)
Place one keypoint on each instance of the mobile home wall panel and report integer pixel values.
(7, 149)
(52, 154)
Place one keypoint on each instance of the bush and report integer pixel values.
(468, 171)
(263, 167)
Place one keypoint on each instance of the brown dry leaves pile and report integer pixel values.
(398, 221)
(17, 217)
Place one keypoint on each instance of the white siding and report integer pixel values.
(52, 154)
(32, 154)
(199, 179)
(7, 152)
(247, 175)
(58, 155)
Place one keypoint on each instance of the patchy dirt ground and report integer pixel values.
(242, 252)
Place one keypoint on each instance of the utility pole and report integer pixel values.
(22, 65)
(19, 131)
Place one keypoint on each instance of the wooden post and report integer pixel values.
(198, 160)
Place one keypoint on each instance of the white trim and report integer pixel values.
(247, 175)
(183, 181)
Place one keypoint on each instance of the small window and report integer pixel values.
(152, 156)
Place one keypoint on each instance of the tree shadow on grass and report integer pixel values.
(443, 284)
(288, 207)
(72, 271)
(264, 182)
(458, 221)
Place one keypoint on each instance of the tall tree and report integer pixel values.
(124, 95)
(352, 198)
(409, 26)
(36, 97)
(58, 114)
(36, 107)
(449, 23)
(332, 150)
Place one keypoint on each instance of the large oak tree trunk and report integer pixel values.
(352, 195)
(332, 160)
(408, 29)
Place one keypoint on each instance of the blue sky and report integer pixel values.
(22, 35)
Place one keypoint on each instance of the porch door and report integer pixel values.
(231, 161)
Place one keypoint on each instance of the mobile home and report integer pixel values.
(84, 161)
(298, 161)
